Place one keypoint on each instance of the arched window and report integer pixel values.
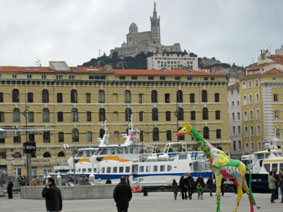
(127, 96)
(204, 96)
(216, 97)
(154, 96)
(192, 98)
(46, 137)
(15, 95)
(217, 114)
(169, 135)
(102, 116)
(205, 113)
(128, 114)
(168, 115)
(101, 96)
(75, 115)
(16, 115)
(155, 134)
(218, 133)
(45, 115)
(74, 96)
(61, 154)
(179, 96)
(180, 114)
(181, 137)
(75, 135)
(206, 132)
(193, 115)
(154, 114)
(45, 96)
(46, 155)
(101, 133)
(61, 137)
(17, 155)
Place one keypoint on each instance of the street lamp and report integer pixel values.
(177, 116)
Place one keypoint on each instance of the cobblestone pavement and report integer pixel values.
(156, 202)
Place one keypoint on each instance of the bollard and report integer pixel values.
(145, 192)
(91, 178)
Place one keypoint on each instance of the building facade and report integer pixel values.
(73, 102)
(172, 61)
(149, 41)
(235, 123)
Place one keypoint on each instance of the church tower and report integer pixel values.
(155, 27)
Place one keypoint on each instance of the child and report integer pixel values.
(175, 189)
(199, 190)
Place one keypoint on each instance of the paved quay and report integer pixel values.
(157, 202)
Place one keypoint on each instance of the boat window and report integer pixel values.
(94, 170)
(135, 151)
(114, 169)
(89, 170)
(84, 170)
(141, 169)
(259, 156)
(162, 168)
(183, 157)
(127, 169)
(275, 154)
(131, 151)
(79, 170)
(148, 168)
(112, 151)
(121, 169)
(274, 166)
(108, 170)
(103, 170)
(79, 154)
(103, 152)
(126, 151)
(267, 167)
(266, 155)
(155, 168)
(281, 166)
(88, 154)
(169, 168)
(119, 151)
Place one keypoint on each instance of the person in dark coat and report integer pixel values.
(10, 189)
(277, 185)
(175, 189)
(190, 185)
(52, 195)
(122, 195)
(108, 181)
(210, 184)
(183, 187)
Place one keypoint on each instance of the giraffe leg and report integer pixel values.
(246, 189)
(218, 190)
(239, 193)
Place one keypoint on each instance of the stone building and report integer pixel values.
(149, 41)
(75, 101)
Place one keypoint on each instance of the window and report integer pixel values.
(154, 114)
(134, 77)
(250, 84)
(204, 96)
(240, 145)
(60, 116)
(30, 116)
(61, 154)
(205, 113)
(141, 116)
(275, 97)
(17, 137)
(258, 132)
(276, 114)
(250, 99)
(101, 96)
(75, 135)
(233, 116)
(257, 114)
(46, 155)
(154, 96)
(59, 98)
(239, 116)
(239, 130)
(71, 77)
(192, 98)
(141, 136)
(43, 76)
(2, 117)
(218, 133)
(251, 115)
(206, 132)
(30, 97)
(277, 132)
(88, 116)
(180, 114)
(257, 98)
(46, 137)
(245, 116)
(168, 115)
(122, 77)
(234, 145)
(74, 96)
(252, 131)
(75, 115)
(58, 77)
(88, 97)
(193, 115)
(232, 103)
(162, 77)
(16, 115)
(155, 134)
(162, 168)
(127, 96)
(89, 136)
(177, 78)
(244, 100)
(246, 132)
(167, 98)
(256, 82)
(102, 115)
(238, 103)
(31, 137)
(234, 130)
(217, 114)
(148, 168)
(253, 147)
(121, 169)
(61, 137)
(216, 97)
(150, 78)
(15, 95)
(45, 96)
(189, 78)
(1, 97)
(45, 115)
(168, 135)
(140, 98)
(128, 114)
(169, 168)
(179, 96)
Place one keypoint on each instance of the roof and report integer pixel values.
(258, 67)
(236, 85)
(267, 73)
(29, 69)
(277, 58)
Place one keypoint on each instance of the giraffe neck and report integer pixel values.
(204, 145)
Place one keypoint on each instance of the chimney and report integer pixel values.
(108, 67)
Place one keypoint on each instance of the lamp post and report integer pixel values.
(177, 116)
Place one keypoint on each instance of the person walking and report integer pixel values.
(175, 189)
(199, 190)
(34, 181)
(277, 185)
(190, 184)
(183, 187)
(281, 183)
(209, 184)
(52, 195)
(122, 195)
(272, 185)
(10, 189)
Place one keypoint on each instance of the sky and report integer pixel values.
(77, 30)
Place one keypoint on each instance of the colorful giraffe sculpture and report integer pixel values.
(223, 166)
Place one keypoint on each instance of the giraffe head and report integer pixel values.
(186, 129)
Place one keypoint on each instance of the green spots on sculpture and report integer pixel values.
(234, 163)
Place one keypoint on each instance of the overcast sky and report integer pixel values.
(75, 30)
